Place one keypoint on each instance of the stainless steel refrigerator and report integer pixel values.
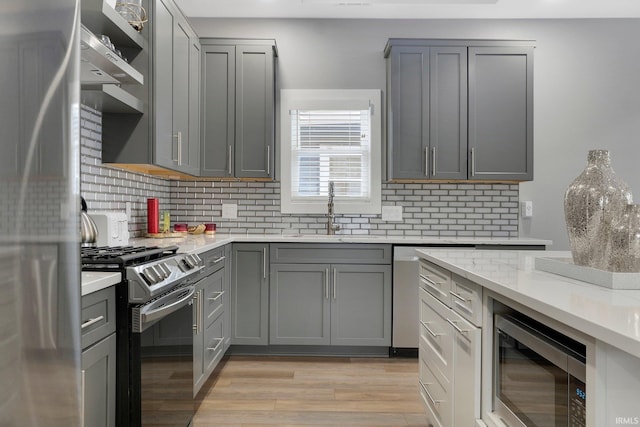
(40, 382)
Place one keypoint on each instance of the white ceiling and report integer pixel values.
(414, 9)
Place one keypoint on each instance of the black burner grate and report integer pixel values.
(117, 258)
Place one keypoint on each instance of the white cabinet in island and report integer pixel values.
(605, 321)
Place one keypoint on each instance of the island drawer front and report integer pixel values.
(437, 396)
(98, 316)
(214, 343)
(330, 253)
(437, 281)
(436, 336)
(214, 260)
(467, 299)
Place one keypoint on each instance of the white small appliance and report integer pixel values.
(113, 228)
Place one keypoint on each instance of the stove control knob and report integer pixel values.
(186, 264)
(164, 268)
(151, 275)
(197, 259)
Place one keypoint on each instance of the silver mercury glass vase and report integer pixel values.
(591, 203)
(625, 241)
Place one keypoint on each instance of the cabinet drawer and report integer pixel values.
(214, 297)
(437, 281)
(213, 260)
(467, 299)
(98, 316)
(436, 335)
(214, 343)
(436, 396)
(342, 253)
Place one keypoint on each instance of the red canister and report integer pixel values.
(210, 228)
(152, 215)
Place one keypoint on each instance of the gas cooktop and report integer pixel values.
(117, 258)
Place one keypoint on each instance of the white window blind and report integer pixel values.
(330, 145)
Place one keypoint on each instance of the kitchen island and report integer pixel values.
(607, 321)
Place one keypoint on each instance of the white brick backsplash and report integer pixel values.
(430, 209)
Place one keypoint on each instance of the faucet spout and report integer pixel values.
(331, 228)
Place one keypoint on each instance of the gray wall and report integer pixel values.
(587, 85)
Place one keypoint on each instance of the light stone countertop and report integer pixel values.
(611, 316)
(94, 281)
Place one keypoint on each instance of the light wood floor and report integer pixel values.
(312, 391)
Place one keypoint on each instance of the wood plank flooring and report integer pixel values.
(311, 391)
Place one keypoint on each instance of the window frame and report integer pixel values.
(331, 99)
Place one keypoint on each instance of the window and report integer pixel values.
(330, 135)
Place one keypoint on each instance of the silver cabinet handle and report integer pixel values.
(335, 283)
(268, 160)
(91, 322)
(433, 334)
(430, 280)
(230, 160)
(196, 325)
(433, 401)
(433, 161)
(179, 148)
(219, 259)
(473, 161)
(326, 283)
(217, 297)
(456, 327)
(264, 263)
(214, 349)
(458, 296)
(82, 399)
(426, 161)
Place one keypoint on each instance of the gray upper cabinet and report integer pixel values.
(501, 113)
(427, 112)
(459, 109)
(238, 109)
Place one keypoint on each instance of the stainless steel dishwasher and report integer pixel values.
(405, 301)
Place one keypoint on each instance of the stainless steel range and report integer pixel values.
(154, 331)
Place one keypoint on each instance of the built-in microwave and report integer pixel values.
(539, 375)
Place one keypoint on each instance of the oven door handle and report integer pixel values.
(167, 305)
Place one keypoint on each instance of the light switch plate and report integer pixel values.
(392, 213)
(230, 210)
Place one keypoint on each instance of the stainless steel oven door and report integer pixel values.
(532, 378)
(162, 361)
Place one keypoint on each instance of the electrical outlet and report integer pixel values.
(526, 209)
(230, 210)
(392, 213)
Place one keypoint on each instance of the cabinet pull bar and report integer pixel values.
(456, 327)
(83, 388)
(217, 297)
(268, 160)
(230, 160)
(179, 148)
(214, 349)
(264, 263)
(91, 322)
(219, 259)
(426, 161)
(335, 283)
(458, 296)
(430, 280)
(326, 283)
(433, 161)
(433, 401)
(433, 334)
(473, 161)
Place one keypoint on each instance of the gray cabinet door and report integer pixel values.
(300, 310)
(501, 113)
(361, 305)
(99, 383)
(165, 150)
(180, 135)
(218, 110)
(408, 112)
(448, 113)
(250, 294)
(254, 126)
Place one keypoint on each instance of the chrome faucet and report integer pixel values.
(331, 228)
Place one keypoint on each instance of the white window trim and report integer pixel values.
(297, 99)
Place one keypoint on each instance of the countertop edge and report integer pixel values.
(94, 281)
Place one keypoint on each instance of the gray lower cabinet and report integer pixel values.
(211, 327)
(327, 294)
(98, 374)
(330, 304)
(238, 109)
(250, 294)
(460, 109)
